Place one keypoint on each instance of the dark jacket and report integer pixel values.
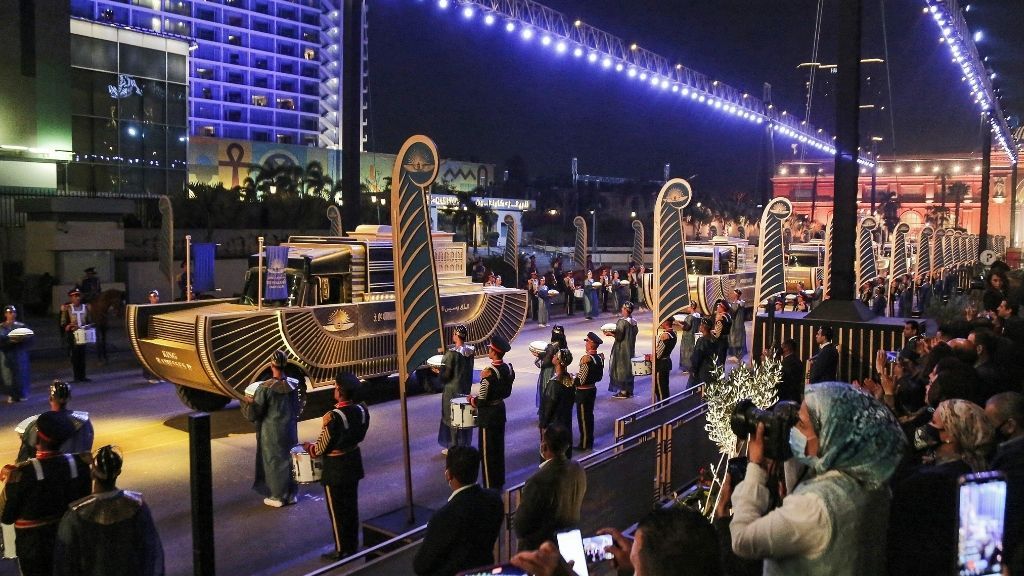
(343, 429)
(551, 502)
(1009, 459)
(825, 364)
(461, 534)
(792, 385)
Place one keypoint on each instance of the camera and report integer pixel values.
(777, 421)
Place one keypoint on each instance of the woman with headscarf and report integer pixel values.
(829, 523)
(923, 519)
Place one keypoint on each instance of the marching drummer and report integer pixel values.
(456, 373)
(344, 427)
(496, 383)
(274, 407)
(74, 315)
(81, 427)
(590, 373)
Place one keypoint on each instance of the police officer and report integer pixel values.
(495, 385)
(74, 315)
(38, 491)
(274, 408)
(82, 432)
(663, 359)
(590, 373)
(344, 427)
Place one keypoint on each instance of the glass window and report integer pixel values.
(104, 138)
(176, 180)
(177, 105)
(133, 180)
(93, 53)
(177, 146)
(154, 145)
(90, 93)
(155, 181)
(81, 135)
(136, 61)
(177, 70)
(131, 141)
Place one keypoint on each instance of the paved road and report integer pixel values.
(150, 425)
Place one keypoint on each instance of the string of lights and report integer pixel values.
(552, 30)
(955, 34)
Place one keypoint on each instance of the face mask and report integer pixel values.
(798, 444)
(926, 437)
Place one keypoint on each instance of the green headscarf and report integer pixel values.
(858, 436)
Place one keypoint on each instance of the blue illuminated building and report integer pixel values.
(264, 70)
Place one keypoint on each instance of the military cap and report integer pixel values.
(54, 427)
(500, 344)
(594, 338)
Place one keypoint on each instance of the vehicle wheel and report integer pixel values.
(201, 400)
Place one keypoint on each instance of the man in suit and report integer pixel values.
(911, 336)
(792, 385)
(553, 496)
(824, 364)
(1006, 413)
(344, 428)
(461, 535)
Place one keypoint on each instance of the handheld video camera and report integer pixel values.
(777, 421)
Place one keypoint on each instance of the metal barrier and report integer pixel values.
(625, 481)
(390, 561)
(656, 414)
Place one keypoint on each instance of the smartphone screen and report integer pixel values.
(982, 508)
(593, 548)
(570, 545)
(504, 570)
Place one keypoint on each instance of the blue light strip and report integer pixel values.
(533, 22)
(955, 34)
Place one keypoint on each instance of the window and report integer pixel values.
(286, 103)
(284, 139)
(136, 61)
(259, 100)
(206, 93)
(261, 136)
(208, 131)
(261, 63)
(234, 40)
(93, 53)
(309, 54)
(234, 97)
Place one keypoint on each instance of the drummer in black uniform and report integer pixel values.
(344, 428)
(37, 493)
(495, 385)
(663, 359)
(590, 373)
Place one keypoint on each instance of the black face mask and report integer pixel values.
(926, 438)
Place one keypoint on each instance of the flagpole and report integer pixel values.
(259, 277)
(188, 267)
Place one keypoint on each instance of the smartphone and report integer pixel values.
(891, 356)
(503, 569)
(982, 510)
(570, 545)
(593, 548)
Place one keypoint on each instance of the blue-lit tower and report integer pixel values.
(264, 70)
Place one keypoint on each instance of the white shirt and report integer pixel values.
(801, 526)
(459, 490)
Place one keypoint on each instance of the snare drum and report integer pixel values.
(305, 469)
(7, 542)
(85, 336)
(436, 361)
(538, 347)
(641, 366)
(463, 414)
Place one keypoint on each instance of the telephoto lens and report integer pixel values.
(777, 421)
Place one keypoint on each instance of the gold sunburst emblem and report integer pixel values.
(339, 322)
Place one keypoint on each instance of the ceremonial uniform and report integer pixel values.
(275, 410)
(14, 365)
(589, 298)
(590, 373)
(543, 310)
(34, 499)
(663, 363)
(687, 338)
(457, 378)
(344, 428)
(570, 295)
(621, 362)
(738, 330)
(108, 534)
(723, 326)
(80, 440)
(495, 385)
(546, 363)
(531, 288)
(703, 361)
(556, 405)
(73, 317)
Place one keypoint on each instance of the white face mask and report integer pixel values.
(798, 444)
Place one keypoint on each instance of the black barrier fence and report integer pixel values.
(382, 558)
(656, 414)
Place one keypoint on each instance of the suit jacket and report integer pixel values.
(461, 535)
(825, 364)
(792, 385)
(551, 502)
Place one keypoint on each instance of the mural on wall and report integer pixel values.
(213, 160)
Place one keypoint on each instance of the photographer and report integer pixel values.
(850, 444)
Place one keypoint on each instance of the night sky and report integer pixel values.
(483, 94)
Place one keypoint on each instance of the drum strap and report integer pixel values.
(38, 467)
(344, 419)
(72, 465)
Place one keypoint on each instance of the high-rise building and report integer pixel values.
(264, 70)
